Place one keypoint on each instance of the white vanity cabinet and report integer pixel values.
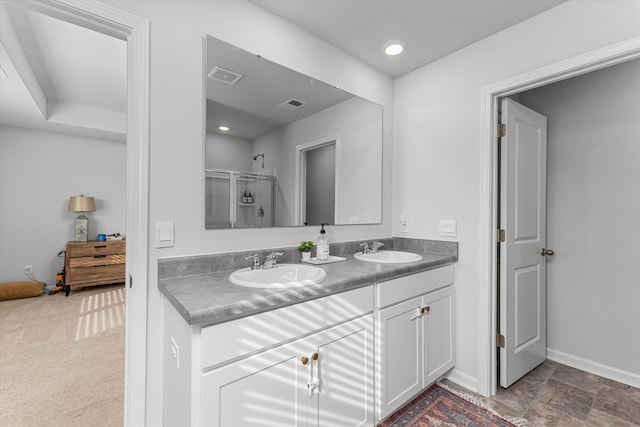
(415, 330)
(324, 379)
(309, 364)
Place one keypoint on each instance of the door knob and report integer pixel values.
(544, 252)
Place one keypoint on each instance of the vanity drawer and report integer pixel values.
(403, 288)
(237, 338)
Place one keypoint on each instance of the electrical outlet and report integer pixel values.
(404, 223)
(28, 269)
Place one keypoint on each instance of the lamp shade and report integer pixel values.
(81, 204)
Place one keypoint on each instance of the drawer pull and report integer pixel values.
(100, 247)
(99, 256)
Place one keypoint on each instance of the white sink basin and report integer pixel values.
(389, 257)
(282, 276)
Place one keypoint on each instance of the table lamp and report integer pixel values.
(82, 204)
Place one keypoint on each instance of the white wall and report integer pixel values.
(38, 172)
(593, 207)
(228, 152)
(357, 123)
(437, 135)
(177, 128)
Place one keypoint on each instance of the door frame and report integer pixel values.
(134, 30)
(490, 94)
(301, 173)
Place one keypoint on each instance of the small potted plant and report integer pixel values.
(305, 249)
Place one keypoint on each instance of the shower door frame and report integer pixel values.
(232, 177)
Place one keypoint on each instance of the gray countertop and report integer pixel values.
(210, 298)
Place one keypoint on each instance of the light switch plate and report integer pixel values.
(448, 228)
(164, 235)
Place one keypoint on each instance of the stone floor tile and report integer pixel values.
(602, 419)
(621, 400)
(542, 373)
(577, 378)
(541, 415)
(519, 396)
(567, 399)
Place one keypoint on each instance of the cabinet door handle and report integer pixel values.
(417, 315)
(304, 360)
(314, 356)
(425, 309)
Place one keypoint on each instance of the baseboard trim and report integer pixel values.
(596, 368)
(462, 379)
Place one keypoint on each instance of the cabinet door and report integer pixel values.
(268, 389)
(438, 334)
(399, 355)
(345, 372)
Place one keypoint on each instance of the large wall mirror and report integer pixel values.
(284, 149)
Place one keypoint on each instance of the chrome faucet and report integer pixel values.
(256, 261)
(375, 246)
(271, 261)
(365, 248)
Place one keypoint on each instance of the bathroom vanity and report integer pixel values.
(347, 351)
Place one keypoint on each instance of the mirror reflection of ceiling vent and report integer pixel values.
(292, 104)
(225, 76)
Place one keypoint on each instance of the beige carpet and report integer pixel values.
(62, 359)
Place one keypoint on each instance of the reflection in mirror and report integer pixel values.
(284, 149)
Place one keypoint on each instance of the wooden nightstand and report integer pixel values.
(94, 263)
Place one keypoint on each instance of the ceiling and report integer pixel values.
(257, 102)
(62, 77)
(431, 28)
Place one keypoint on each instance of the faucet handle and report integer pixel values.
(256, 261)
(376, 245)
(274, 255)
(365, 247)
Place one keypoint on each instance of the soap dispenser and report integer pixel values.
(322, 245)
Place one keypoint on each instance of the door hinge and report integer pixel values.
(502, 130)
(500, 341)
(502, 235)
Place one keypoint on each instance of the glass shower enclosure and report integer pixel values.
(238, 199)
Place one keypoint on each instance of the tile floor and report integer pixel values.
(558, 395)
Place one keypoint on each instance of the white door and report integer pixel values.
(438, 334)
(267, 389)
(522, 254)
(399, 355)
(344, 374)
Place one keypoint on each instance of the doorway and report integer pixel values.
(135, 31)
(317, 175)
(602, 58)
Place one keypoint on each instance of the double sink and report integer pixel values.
(294, 275)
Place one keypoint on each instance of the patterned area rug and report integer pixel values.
(439, 407)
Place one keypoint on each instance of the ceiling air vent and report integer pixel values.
(292, 104)
(225, 76)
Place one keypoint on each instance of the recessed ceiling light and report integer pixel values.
(394, 47)
(223, 128)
